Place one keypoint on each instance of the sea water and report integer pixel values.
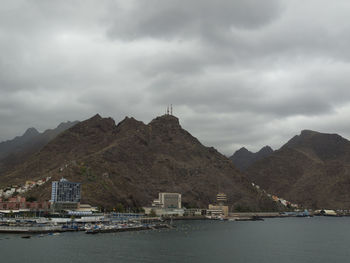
(282, 240)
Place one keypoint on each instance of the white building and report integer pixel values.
(164, 211)
(167, 204)
(168, 200)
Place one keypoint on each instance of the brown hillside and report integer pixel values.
(243, 158)
(17, 150)
(311, 169)
(131, 162)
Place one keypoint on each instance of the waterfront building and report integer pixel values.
(167, 204)
(167, 212)
(83, 210)
(168, 200)
(194, 212)
(20, 204)
(64, 191)
(65, 195)
(219, 209)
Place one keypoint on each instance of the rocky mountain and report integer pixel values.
(15, 151)
(131, 162)
(244, 158)
(19, 143)
(312, 169)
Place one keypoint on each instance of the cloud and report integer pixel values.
(239, 73)
(190, 19)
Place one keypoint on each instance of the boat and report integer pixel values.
(91, 231)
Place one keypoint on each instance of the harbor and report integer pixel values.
(65, 213)
(90, 225)
(122, 222)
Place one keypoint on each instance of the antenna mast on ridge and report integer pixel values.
(169, 110)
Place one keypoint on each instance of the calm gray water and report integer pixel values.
(318, 239)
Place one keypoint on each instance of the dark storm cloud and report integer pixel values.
(239, 73)
(191, 18)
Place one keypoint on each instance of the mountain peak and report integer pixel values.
(168, 120)
(121, 164)
(30, 132)
(244, 158)
(129, 123)
(96, 117)
(325, 146)
(308, 133)
(310, 137)
(66, 125)
(310, 169)
(243, 150)
(14, 151)
(266, 149)
(129, 120)
(96, 123)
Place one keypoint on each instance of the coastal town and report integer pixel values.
(174, 131)
(64, 212)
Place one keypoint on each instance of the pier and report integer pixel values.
(31, 229)
(114, 229)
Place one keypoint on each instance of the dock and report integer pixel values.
(31, 229)
(114, 229)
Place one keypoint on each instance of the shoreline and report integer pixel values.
(153, 224)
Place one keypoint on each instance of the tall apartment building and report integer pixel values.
(64, 191)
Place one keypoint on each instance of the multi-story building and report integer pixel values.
(219, 209)
(19, 203)
(65, 192)
(221, 198)
(167, 204)
(168, 200)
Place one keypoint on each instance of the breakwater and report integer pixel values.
(88, 228)
(113, 229)
(31, 229)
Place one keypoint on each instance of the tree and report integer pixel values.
(31, 199)
(241, 208)
(152, 213)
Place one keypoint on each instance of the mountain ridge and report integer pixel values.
(243, 158)
(131, 162)
(312, 169)
(14, 151)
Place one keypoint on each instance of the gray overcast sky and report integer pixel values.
(239, 72)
